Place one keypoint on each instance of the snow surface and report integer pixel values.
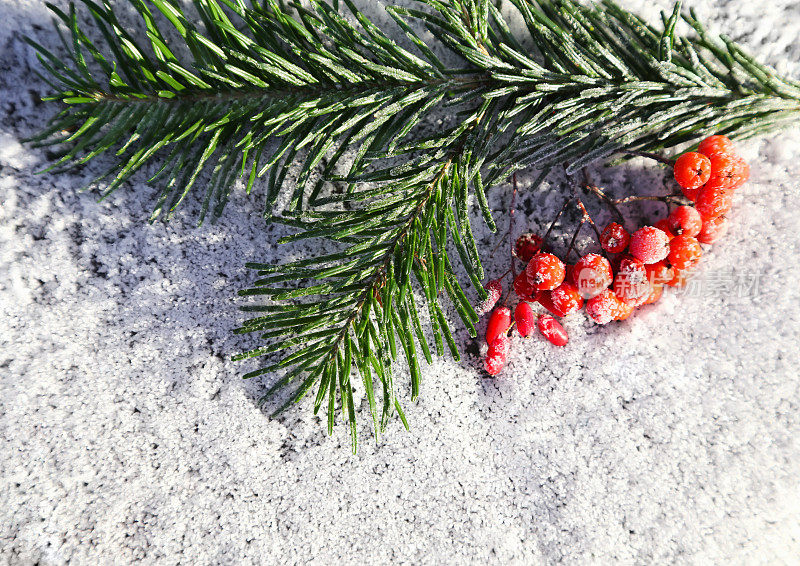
(128, 435)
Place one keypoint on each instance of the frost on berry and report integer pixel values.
(622, 310)
(684, 252)
(494, 289)
(527, 246)
(497, 354)
(614, 238)
(631, 283)
(713, 229)
(602, 308)
(566, 298)
(685, 220)
(545, 298)
(494, 364)
(552, 330)
(649, 244)
(499, 323)
(692, 170)
(500, 347)
(524, 318)
(592, 274)
(545, 271)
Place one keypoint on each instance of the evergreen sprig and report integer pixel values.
(334, 112)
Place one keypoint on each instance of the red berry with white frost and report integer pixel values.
(527, 246)
(494, 289)
(545, 271)
(499, 323)
(591, 274)
(685, 220)
(545, 298)
(566, 298)
(631, 283)
(552, 330)
(614, 238)
(713, 229)
(494, 364)
(649, 244)
(525, 319)
(500, 347)
(603, 308)
(692, 170)
(684, 252)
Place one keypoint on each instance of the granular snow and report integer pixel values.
(127, 433)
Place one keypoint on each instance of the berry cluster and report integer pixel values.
(631, 270)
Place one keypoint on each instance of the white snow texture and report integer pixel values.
(127, 434)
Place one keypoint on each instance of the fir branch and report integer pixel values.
(270, 86)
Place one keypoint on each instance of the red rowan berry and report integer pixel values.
(499, 323)
(691, 194)
(592, 274)
(684, 252)
(713, 229)
(631, 281)
(500, 347)
(494, 289)
(566, 298)
(569, 274)
(527, 246)
(623, 310)
(692, 170)
(545, 298)
(523, 287)
(525, 319)
(552, 330)
(545, 271)
(494, 364)
(614, 238)
(649, 244)
(715, 144)
(725, 171)
(742, 170)
(685, 220)
(664, 226)
(713, 201)
(659, 273)
(655, 294)
(604, 307)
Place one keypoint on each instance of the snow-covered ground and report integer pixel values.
(126, 433)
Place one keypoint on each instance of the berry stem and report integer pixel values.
(553, 223)
(600, 193)
(673, 199)
(572, 241)
(653, 156)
